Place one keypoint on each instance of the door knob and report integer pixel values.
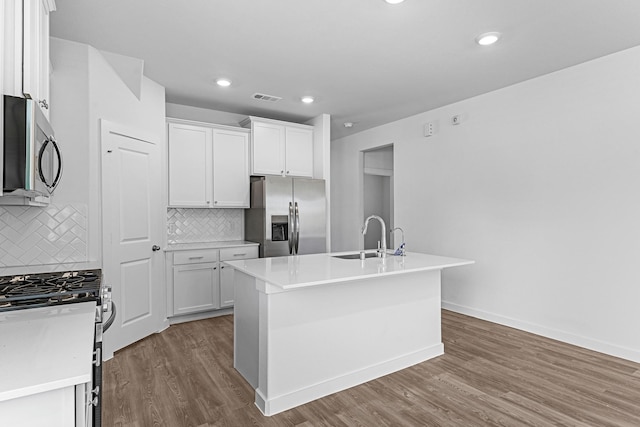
(155, 248)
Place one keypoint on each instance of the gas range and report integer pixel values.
(47, 289)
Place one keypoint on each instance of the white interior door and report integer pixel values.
(132, 234)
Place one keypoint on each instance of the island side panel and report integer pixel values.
(245, 327)
(322, 339)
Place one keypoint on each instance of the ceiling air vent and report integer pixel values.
(263, 97)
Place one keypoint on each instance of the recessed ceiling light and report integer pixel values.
(394, 1)
(307, 99)
(348, 125)
(487, 39)
(223, 82)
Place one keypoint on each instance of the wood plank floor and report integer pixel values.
(490, 375)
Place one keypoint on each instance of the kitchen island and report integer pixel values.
(310, 325)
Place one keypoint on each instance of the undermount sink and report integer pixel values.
(356, 256)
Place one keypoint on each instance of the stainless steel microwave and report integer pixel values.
(32, 165)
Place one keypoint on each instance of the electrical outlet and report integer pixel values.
(428, 129)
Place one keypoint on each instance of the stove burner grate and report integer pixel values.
(38, 290)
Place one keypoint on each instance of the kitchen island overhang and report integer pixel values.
(311, 325)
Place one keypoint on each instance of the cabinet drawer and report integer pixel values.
(243, 252)
(195, 257)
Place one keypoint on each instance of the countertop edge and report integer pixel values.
(208, 245)
(455, 262)
(44, 387)
(369, 276)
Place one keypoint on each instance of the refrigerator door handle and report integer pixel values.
(291, 234)
(297, 228)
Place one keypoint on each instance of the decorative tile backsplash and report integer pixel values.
(37, 236)
(204, 225)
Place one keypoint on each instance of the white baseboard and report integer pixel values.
(580, 341)
(199, 316)
(276, 404)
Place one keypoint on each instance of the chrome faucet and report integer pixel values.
(382, 251)
(401, 247)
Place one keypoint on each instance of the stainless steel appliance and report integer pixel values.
(46, 289)
(32, 164)
(287, 216)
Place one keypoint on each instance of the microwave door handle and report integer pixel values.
(297, 225)
(291, 235)
(50, 185)
(56, 180)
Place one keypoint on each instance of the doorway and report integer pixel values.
(378, 193)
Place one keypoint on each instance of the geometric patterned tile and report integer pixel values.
(204, 225)
(32, 235)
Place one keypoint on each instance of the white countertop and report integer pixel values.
(47, 348)
(208, 245)
(291, 272)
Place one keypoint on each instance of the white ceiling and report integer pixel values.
(364, 61)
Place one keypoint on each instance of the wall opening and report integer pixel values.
(377, 194)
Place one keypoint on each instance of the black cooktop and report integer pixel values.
(45, 289)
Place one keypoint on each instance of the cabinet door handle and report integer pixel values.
(239, 254)
(155, 248)
(221, 267)
(196, 257)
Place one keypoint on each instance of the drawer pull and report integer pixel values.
(196, 257)
(239, 254)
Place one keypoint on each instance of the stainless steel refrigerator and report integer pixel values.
(287, 216)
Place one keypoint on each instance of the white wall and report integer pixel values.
(377, 202)
(186, 112)
(85, 89)
(322, 161)
(539, 185)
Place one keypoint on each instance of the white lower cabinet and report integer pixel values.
(54, 408)
(196, 282)
(196, 288)
(226, 286)
(199, 281)
(226, 272)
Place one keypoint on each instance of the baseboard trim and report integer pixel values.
(199, 316)
(569, 338)
(277, 404)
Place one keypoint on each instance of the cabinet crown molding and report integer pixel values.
(247, 122)
(206, 124)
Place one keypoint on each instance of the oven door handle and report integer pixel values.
(106, 325)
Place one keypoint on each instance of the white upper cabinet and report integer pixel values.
(25, 51)
(280, 148)
(299, 151)
(36, 62)
(208, 165)
(190, 165)
(230, 169)
(268, 152)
